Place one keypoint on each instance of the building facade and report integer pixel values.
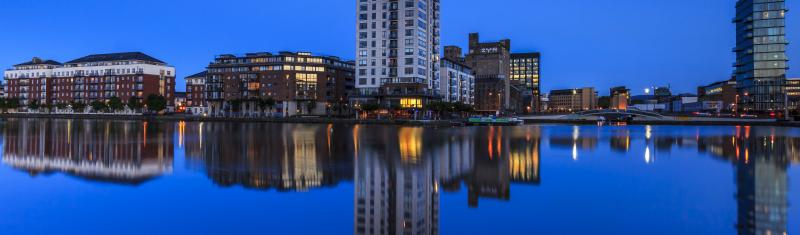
(572, 100)
(490, 62)
(724, 91)
(761, 61)
(793, 93)
(620, 98)
(397, 52)
(300, 83)
(457, 82)
(525, 71)
(196, 94)
(91, 78)
(180, 102)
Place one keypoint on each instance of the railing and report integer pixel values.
(407, 80)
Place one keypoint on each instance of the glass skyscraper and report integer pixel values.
(761, 55)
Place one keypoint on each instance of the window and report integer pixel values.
(410, 103)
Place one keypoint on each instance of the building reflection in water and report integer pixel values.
(261, 156)
(760, 156)
(112, 151)
(400, 173)
(397, 172)
(761, 161)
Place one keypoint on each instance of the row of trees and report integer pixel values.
(236, 106)
(449, 109)
(11, 103)
(153, 103)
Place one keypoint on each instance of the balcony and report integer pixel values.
(407, 80)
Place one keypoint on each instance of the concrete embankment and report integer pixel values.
(190, 118)
(434, 123)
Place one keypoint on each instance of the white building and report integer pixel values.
(395, 193)
(457, 82)
(397, 55)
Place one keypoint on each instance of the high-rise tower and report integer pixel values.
(397, 55)
(761, 55)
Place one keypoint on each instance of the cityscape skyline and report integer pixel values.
(600, 50)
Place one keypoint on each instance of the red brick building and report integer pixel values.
(300, 83)
(91, 78)
(196, 93)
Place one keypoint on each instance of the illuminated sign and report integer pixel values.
(489, 50)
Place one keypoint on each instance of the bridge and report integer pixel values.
(614, 114)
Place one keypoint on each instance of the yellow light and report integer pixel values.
(410, 103)
(410, 142)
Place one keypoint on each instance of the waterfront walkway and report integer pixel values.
(537, 119)
(193, 118)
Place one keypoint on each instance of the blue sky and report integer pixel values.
(681, 43)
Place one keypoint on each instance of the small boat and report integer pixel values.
(494, 121)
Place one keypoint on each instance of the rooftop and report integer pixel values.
(116, 57)
(456, 62)
(525, 54)
(198, 75)
(37, 61)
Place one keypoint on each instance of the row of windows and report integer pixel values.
(275, 59)
(769, 39)
(772, 6)
(107, 72)
(268, 68)
(769, 23)
(770, 15)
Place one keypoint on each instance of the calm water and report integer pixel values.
(115, 177)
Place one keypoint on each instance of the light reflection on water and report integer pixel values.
(399, 174)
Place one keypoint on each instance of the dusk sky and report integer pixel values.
(637, 43)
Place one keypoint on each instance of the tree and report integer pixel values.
(464, 108)
(370, 107)
(311, 105)
(98, 106)
(134, 103)
(48, 107)
(61, 106)
(235, 105)
(3, 104)
(156, 103)
(394, 108)
(339, 106)
(12, 103)
(34, 105)
(437, 107)
(267, 103)
(78, 107)
(115, 104)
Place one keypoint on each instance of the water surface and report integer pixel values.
(121, 177)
